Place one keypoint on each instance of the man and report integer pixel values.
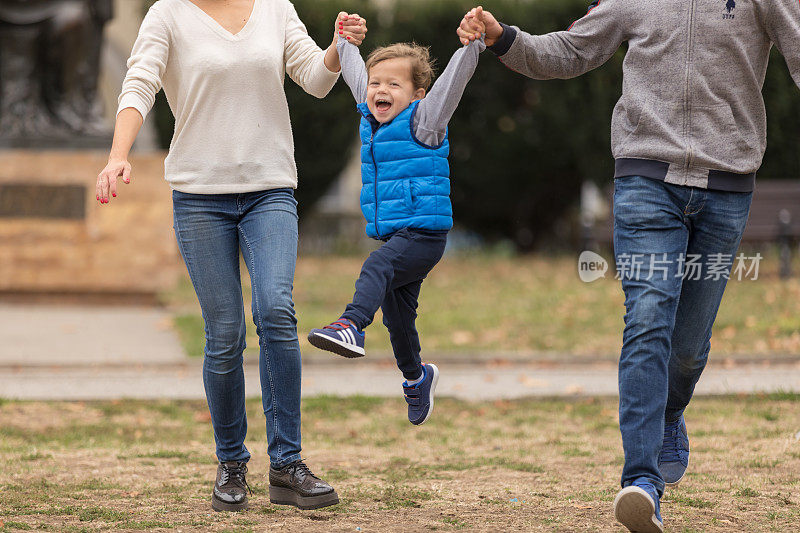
(688, 135)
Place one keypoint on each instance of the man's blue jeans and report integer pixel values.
(659, 231)
(211, 230)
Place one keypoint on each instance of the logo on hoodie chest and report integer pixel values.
(730, 5)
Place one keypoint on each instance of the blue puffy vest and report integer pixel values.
(405, 183)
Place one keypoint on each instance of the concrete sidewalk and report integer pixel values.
(87, 353)
(473, 382)
(32, 335)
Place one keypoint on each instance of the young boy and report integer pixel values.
(405, 198)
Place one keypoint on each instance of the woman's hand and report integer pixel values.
(107, 179)
(129, 120)
(351, 27)
(478, 21)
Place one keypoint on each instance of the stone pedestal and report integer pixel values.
(56, 240)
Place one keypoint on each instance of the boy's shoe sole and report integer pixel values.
(284, 496)
(219, 505)
(329, 344)
(634, 509)
(435, 370)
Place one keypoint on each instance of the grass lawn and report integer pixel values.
(493, 306)
(531, 465)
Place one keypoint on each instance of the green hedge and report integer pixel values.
(520, 148)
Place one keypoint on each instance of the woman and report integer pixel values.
(231, 167)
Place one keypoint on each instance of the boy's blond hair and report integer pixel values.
(420, 57)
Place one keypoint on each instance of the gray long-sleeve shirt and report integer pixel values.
(436, 109)
(691, 111)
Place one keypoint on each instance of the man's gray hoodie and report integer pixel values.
(691, 111)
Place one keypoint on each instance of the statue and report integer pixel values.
(49, 67)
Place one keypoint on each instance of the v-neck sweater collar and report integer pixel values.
(217, 28)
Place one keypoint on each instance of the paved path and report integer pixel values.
(84, 353)
(474, 382)
(48, 334)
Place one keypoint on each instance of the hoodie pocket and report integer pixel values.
(649, 129)
(627, 119)
(718, 141)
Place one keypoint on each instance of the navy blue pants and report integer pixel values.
(391, 279)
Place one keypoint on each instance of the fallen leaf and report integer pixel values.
(532, 382)
(202, 417)
(460, 338)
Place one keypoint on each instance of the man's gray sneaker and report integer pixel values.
(637, 507)
(674, 458)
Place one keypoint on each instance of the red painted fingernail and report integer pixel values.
(348, 37)
(114, 195)
(341, 33)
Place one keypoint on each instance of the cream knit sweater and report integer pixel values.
(232, 129)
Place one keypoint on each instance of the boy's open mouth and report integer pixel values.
(382, 105)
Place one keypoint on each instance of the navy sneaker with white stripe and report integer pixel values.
(419, 397)
(341, 337)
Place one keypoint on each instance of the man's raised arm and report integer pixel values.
(587, 44)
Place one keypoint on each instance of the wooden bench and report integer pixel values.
(773, 202)
(774, 219)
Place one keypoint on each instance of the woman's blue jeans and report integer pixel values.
(658, 227)
(212, 230)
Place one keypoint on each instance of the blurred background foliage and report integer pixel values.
(520, 148)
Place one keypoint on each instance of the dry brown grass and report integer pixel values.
(533, 307)
(532, 465)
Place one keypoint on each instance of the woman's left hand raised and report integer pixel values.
(351, 27)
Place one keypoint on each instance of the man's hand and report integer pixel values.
(478, 21)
